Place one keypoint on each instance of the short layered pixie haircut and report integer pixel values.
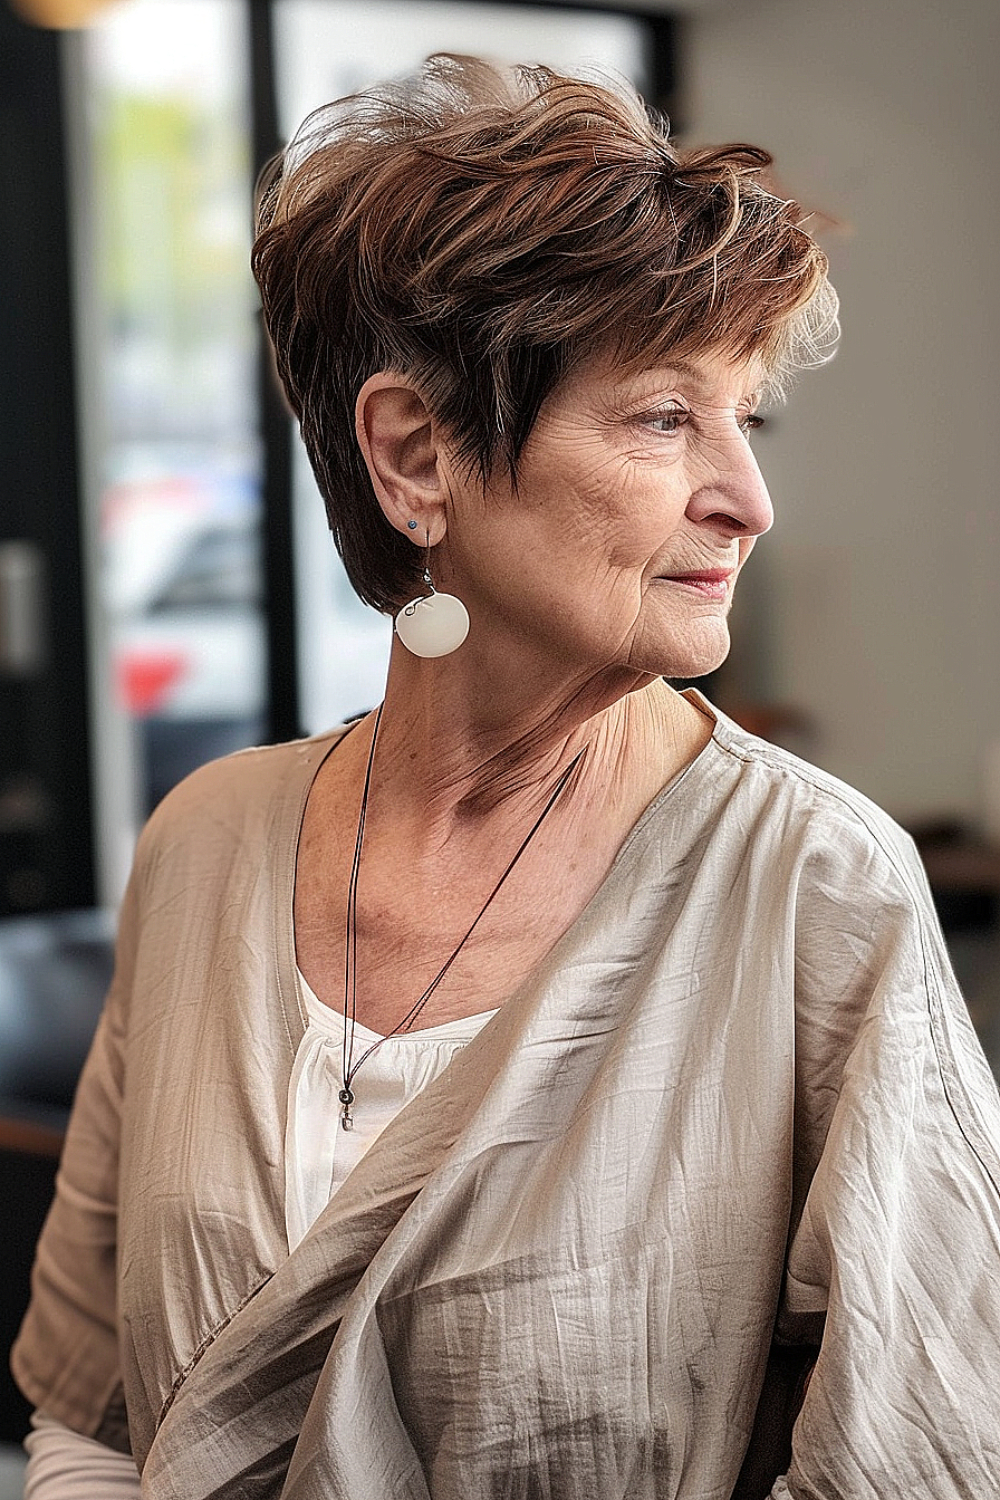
(482, 230)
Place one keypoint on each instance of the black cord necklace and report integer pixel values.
(350, 1067)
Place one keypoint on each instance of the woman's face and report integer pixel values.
(638, 501)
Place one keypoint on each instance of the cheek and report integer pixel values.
(595, 522)
(645, 520)
(589, 533)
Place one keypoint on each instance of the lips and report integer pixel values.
(706, 575)
(712, 583)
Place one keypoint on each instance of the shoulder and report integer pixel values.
(864, 930)
(840, 835)
(237, 802)
(874, 993)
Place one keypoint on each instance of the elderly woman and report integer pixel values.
(539, 1087)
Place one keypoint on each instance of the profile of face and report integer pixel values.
(638, 499)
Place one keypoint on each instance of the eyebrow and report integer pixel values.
(688, 371)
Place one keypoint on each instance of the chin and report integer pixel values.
(688, 659)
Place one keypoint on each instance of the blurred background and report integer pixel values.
(168, 589)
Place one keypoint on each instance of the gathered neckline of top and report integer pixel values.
(327, 1019)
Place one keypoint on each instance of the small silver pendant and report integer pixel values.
(346, 1097)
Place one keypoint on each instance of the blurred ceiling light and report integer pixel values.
(64, 15)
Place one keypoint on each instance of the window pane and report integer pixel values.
(179, 511)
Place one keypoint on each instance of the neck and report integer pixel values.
(450, 749)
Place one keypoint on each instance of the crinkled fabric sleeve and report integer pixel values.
(63, 1465)
(896, 1255)
(66, 1358)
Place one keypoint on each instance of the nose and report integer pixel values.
(733, 495)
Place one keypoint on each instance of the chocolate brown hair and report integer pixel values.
(481, 229)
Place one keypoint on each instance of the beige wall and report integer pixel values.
(878, 588)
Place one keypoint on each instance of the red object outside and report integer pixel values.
(145, 680)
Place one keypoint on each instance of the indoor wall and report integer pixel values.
(876, 594)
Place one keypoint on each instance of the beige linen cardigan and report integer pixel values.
(740, 1099)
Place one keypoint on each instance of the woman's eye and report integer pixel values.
(750, 423)
(667, 421)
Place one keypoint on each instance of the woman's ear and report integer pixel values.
(399, 440)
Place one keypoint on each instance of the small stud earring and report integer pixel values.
(412, 525)
(435, 624)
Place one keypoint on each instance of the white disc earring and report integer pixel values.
(435, 624)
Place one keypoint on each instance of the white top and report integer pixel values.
(318, 1153)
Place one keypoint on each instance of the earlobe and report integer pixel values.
(397, 434)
